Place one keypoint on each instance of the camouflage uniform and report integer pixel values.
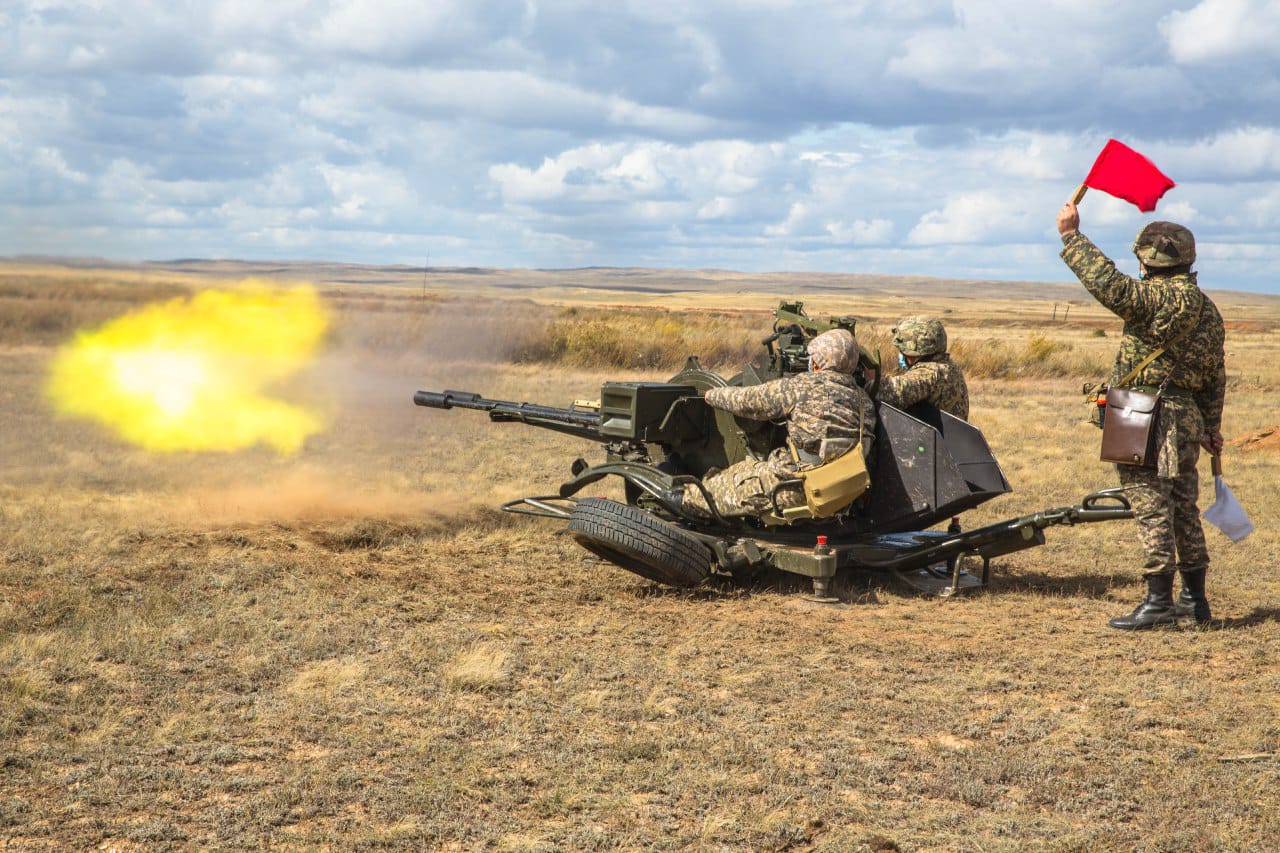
(934, 379)
(1156, 311)
(826, 414)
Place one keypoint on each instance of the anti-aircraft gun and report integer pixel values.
(787, 349)
(928, 467)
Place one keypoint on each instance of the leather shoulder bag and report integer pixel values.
(1131, 423)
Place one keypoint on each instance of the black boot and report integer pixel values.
(1158, 609)
(1192, 602)
(672, 498)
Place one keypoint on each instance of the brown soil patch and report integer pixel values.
(1267, 438)
(1248, 325)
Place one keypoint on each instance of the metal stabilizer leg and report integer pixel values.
(962, 577)
(821, 592)
(954, 577)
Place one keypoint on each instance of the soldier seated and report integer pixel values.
(826, 415)
(928, 373)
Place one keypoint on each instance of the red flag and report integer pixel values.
(1124, 173)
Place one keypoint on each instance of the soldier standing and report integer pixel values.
(1165, 308)
(928, 373)
(827, 414)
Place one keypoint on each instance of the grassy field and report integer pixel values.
(351, 648)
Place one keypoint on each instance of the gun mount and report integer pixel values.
(928, 468)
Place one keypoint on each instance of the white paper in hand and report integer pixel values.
(1226, 514)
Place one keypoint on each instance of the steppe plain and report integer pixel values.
(352, 648)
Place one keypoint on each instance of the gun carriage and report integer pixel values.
(928, 468)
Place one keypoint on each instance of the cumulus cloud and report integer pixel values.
(996, 51)
(861, 232)
(702, 174)
(1248, 153)
(404, 30)
(369, 194)
(970, 218)
(1223, 31)
(928, 136)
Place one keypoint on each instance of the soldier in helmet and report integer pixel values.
(1164, 308)
(928, 373)
(827, 415)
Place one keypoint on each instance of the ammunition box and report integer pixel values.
(638, 410)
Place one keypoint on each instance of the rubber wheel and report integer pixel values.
(639, 542)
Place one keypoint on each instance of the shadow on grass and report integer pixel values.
(865, 587)
(847, 587)
(1090, 585)
(715, 589)
(1259, 616)
(1098, 586)
(859, 588)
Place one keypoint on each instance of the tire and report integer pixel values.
(639, 542)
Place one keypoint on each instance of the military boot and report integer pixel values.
(673, 499)
(1192, 601)
(1158, 609)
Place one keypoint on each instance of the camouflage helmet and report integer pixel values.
(1161, 245)
(920, 336)
(834, 350)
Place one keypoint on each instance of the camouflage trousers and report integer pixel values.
(1165, 508)
(744, 488)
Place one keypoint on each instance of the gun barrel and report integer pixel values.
(446, 399)
(582, 424)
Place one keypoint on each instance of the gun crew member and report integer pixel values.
(1165, 308)
(826, 414)
(928, 373)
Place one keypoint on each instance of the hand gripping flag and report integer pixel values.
(1124, 173)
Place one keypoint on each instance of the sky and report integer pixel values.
(914, 137)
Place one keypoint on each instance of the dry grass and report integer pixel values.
(643, 338)
(44, 309)
(352, 649)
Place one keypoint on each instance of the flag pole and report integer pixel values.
(1080, 191)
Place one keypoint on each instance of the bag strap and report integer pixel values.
(857, 442)
(1143, 364)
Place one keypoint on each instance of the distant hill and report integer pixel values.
(619, 280)
(630, 279)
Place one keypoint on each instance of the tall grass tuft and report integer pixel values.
(656, 339)
(643, 339)
(1037, 357)
(482, 667)
(49, 309)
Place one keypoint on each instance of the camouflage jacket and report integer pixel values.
(937, 380)
(826, 412)
(1155, 312)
